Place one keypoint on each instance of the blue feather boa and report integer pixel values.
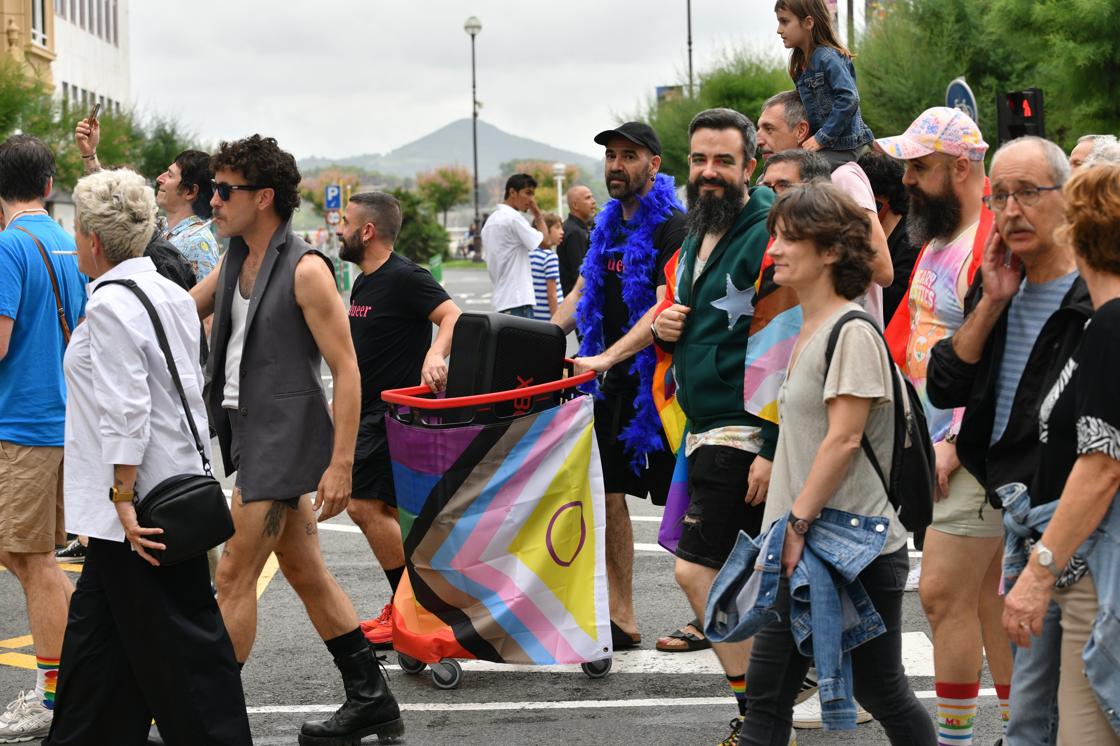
(639, 259)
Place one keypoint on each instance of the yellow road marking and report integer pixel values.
(270, 568)
(22, 660)
(19, 660)
(17, 642)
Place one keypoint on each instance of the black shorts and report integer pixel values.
(717, 511)
(612, 414)
(235, 457)
(373, 477)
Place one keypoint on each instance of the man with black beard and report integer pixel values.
(729, 450)
(622, 281)
(961, 560)
(393, 305)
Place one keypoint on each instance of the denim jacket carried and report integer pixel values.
(827, 87)
(830, 612)
(1101, 552)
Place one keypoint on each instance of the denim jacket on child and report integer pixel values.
(830, 612)
(827, 88)
(1101, 552)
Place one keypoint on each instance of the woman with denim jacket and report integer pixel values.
(822, 250)
(1076, 562)
(826, 80)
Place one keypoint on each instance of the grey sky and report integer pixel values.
(343, 77)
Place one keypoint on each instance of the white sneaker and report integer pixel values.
(25, 719)
(808, 714)
(913, 577)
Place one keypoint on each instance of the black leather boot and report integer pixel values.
(370, 708)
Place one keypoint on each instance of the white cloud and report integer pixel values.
(343, 77)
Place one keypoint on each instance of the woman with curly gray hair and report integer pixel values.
(142, 640)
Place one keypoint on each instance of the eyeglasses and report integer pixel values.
(778, 186)
(225, 191)
(1026, 197)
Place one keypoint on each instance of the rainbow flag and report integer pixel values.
(503, 528)
(664, 386)
(773, 333)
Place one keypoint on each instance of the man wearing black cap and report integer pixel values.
(622, 280)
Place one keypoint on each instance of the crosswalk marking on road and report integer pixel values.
(917, 656)
(570, 704)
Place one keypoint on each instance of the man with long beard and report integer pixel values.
(729, 450)
(961, 561)
(612, 303)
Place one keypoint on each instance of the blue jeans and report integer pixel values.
(525, 312)
(1034, 686)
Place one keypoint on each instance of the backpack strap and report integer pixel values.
(896, 390)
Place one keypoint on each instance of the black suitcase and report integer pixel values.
(493, 352)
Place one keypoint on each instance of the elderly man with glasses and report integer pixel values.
(1024, 315)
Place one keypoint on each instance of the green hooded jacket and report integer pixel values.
(708, 358)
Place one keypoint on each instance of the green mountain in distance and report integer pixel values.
(452, 144)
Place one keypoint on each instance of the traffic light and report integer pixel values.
(1020, 113)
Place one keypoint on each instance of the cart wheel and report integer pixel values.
(409, 664)
(596, 669)
(447, 674)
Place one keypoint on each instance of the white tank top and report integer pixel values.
(239, 312)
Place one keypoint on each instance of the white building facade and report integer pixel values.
(92, 47)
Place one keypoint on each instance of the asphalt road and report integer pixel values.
(649, 697)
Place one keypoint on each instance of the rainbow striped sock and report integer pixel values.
(1003, 691)
(46, 678)
(956, 709)
(739, 689)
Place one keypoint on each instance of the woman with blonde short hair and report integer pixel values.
(142, 640)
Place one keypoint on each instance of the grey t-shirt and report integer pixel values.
(860, 367)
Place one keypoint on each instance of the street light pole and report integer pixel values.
(558, 174)
(691, 91)
(473, 26)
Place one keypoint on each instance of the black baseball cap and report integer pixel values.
(638, 133)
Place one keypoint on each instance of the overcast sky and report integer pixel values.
(344, 77)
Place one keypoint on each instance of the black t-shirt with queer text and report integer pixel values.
(1081, 413)
(667, 238)
(389, 312)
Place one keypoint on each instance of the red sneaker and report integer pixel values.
(379, 631)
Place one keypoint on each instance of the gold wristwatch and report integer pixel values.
(120, 496)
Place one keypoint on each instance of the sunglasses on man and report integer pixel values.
(225, 191)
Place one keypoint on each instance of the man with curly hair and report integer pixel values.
(277, 315)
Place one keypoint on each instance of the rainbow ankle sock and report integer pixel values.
(738, 686)
(46, 679)
(956, 709)
(1003, 691)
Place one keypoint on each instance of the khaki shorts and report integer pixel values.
(966, 512)
(30, 498)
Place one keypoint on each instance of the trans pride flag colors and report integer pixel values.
(774, 329)
(503, 529)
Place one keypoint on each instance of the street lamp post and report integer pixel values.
(558, 172)
(473, 26)
(688, 6)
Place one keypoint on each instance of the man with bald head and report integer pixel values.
(577, 235)
(1024, 315)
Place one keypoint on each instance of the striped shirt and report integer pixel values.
(545, 267)
(1031, 307)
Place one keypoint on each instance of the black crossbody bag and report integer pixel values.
(190, 508)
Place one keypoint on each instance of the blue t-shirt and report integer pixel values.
(32, 389)
(1031, 307)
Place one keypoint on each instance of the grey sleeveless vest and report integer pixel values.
(285, 431)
